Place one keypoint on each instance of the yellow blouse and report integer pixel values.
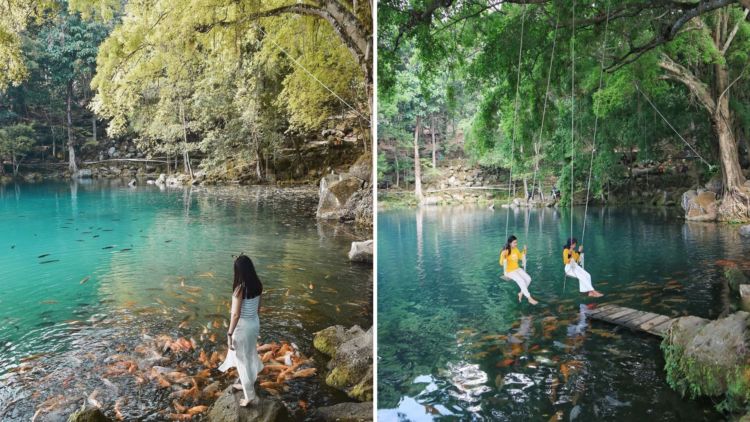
(566, 260)
(515, 256)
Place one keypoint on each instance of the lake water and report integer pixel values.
(454, 342)
(92, 273)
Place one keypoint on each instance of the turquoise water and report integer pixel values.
(454, 342)
(100, 267)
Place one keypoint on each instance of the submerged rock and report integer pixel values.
(344, 412)
(228, 409)
(710, 358)
(351, 359)
(89, 414)
(745, 231)
(361, 251)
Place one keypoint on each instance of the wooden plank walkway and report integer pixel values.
(632, 318)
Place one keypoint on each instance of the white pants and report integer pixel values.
(584, 278)
(245, 356)
(522, 279)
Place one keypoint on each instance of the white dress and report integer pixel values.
(245, 356)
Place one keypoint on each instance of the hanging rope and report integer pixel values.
(596, 125)
(710, 166)
(312, 76)
(515, 115)
(572, 113)
(544, 109)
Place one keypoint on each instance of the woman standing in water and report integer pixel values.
(509, 257)
(244, 327)
(571, 259)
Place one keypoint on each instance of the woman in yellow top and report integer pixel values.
(509, 257)
(571, 259)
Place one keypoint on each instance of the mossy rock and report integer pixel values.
(328, 339)
(363, 390)
(710, 358)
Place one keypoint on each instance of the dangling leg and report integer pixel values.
(522, 280)
(584, 282)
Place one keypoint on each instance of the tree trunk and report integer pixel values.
(93, 125)
(525, 189)
(432, 132)
(69, 122)
(398, 174)
(186, 156)
(258, 159)
(417, 166)
(734, 205)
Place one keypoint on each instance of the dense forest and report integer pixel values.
(215, 84)
(553, 89)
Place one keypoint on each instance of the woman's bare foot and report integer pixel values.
(237, 386)
(244, 402)
(532, 301)
(594, 293)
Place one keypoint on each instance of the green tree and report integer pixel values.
(15, 143)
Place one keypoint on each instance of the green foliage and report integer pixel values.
(479, 45)
(691, 378)
(15, 142)
(241, 85)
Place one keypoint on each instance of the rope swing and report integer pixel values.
(515, 116)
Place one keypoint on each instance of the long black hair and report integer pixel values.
(245, 278)
(571, 241)
(507, 244)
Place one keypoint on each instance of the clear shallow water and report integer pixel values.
(101, 268)
(454, 342)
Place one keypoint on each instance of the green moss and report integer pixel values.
(396, 201)
(687, 376)
(339, 377)
(323, 341)
(362, 391)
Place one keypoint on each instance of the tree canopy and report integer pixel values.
(500, 57)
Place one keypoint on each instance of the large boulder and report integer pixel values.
(335, 191)
(362, 168)
(227, 408)
(745, 231)
(344, 412)
(700, 206)
(161, 180)
(710, 358)
(351, 359)
(361, 251)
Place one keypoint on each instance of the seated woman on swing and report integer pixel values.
(509, 257)
(571, 259)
